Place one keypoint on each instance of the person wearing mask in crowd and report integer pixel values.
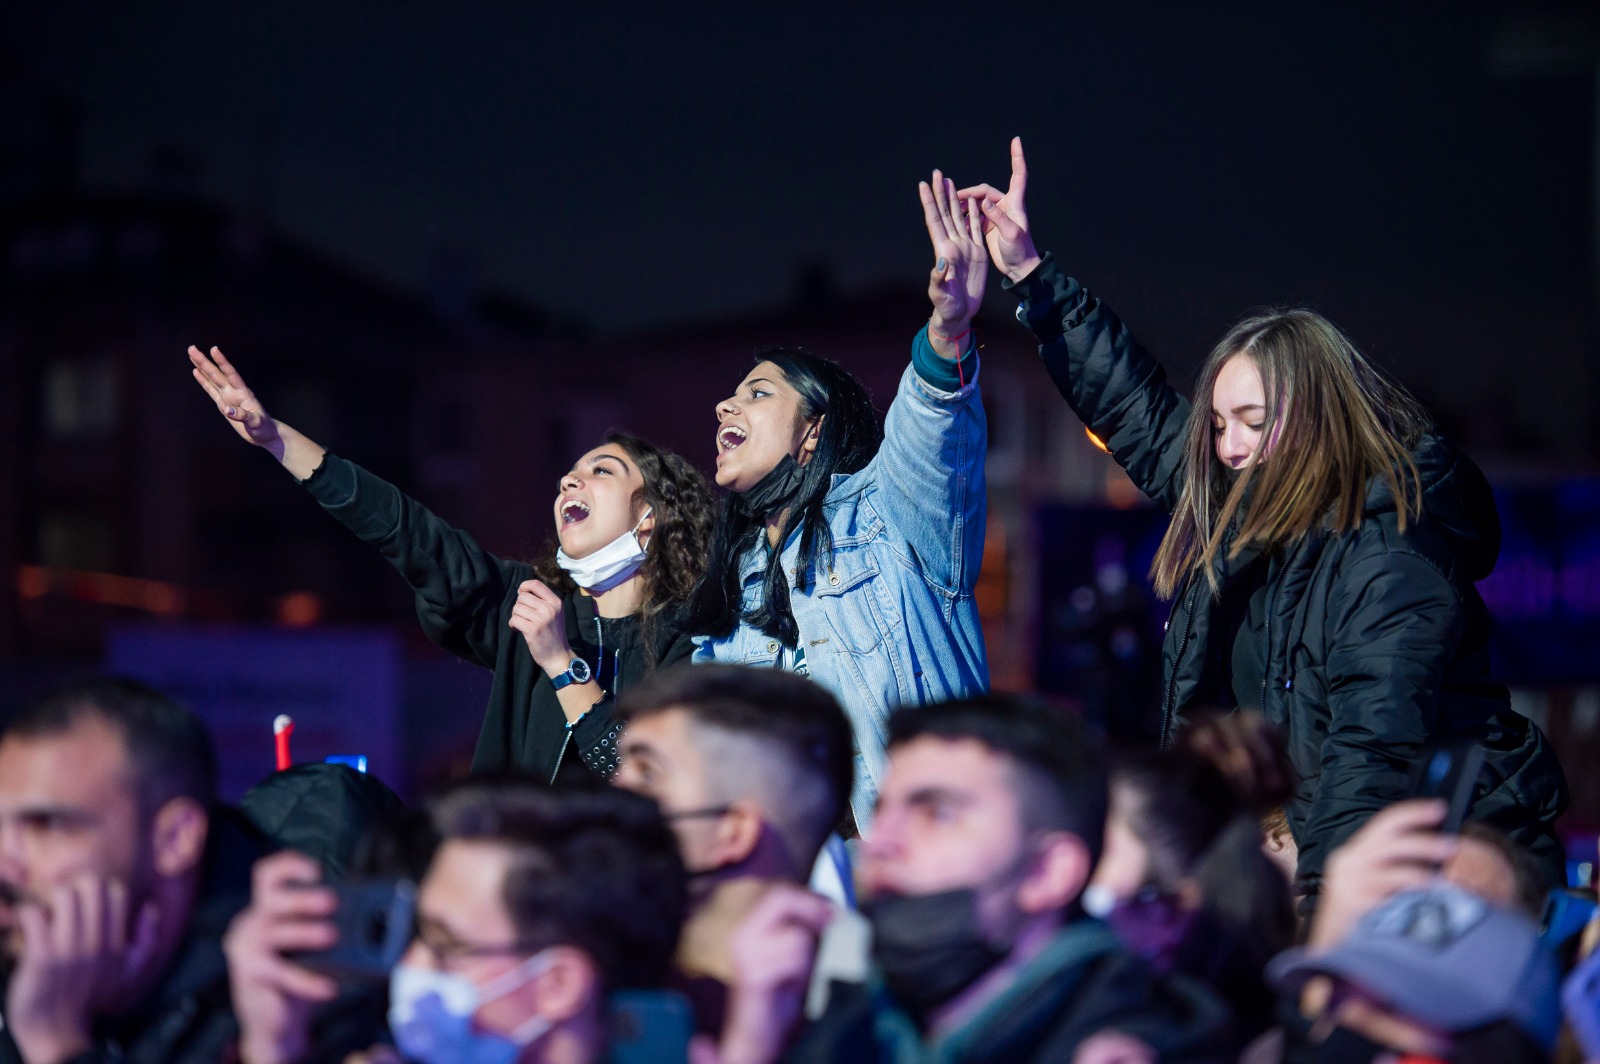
(564, 636)
(846, 552)
(988, 824)
(1184, 883)
(752, 768)
(538, 903)
(1321, 555)
(118, 875)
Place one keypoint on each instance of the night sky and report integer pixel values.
(637, 165)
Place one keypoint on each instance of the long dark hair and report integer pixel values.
(848, 440)
(680, 499)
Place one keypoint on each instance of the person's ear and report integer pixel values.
(178, 834)
(808, 444)
(1057, 874)
(738, 834)
(647, 525)
(568, 987)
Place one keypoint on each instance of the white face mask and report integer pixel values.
(430, 1014)
(609, 566)
(1098, 900)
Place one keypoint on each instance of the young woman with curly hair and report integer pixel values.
(601, 610)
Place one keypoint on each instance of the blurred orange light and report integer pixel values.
(299, 609)
(1097, 441)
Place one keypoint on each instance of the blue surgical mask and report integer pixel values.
(430, 1014)
(609, 566)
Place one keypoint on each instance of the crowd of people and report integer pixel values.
(741, 794)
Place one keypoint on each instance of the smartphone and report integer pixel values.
(375, 921)
(1449, 771)
(1580, 1000)
(649, 1027)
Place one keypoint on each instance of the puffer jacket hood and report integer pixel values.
(1457, 503)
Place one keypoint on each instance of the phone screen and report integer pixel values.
(649, 1027)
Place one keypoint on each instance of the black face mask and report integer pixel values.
(930, 947)
(772, 492)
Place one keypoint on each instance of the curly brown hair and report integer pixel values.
(680, 498)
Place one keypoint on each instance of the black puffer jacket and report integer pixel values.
(1376, 640)
(464, 600)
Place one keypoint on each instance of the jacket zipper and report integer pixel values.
(1169, 704)
(1272, 610)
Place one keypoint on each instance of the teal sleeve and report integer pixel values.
(941, 373)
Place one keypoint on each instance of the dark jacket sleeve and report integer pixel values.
(460, 586)
(1109, 380)
(1394, 622)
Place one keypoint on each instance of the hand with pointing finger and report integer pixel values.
(1005, 219)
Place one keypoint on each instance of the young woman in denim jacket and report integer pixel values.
(848, 553)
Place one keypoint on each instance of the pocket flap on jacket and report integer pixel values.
(851, 569)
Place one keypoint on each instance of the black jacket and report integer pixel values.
(1083, 983)
(1376, 640)
(464, 600)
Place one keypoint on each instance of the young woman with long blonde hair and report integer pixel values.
(1322, 552)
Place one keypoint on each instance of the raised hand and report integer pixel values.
(540, 616)
(82, 951)
(236, 402)
(956, 285)
(272, 996)
(234, 399)
(1005, 219)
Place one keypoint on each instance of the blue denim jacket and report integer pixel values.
(892, 620)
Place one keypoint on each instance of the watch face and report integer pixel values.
(579, 670)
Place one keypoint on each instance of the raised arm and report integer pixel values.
(460, 587)
(930, 465)
(1103, 373)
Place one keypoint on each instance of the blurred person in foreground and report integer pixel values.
(1183, 880)
(752, 768)
(1432, 974)
(118, 874)
(1402, 852)
(988, 824)
(537, 903)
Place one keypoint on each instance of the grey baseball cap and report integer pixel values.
(1444, 957)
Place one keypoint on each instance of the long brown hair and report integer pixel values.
(1334, 422)
(680, 499)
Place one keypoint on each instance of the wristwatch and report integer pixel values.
(577, 672)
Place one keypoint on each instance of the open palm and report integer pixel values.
(234, 399)
(961, 268)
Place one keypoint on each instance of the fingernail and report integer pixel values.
(233, 412)
(939, 265)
